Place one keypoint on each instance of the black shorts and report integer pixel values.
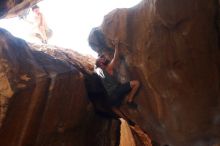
(119, 94)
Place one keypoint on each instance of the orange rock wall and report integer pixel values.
(171, 46)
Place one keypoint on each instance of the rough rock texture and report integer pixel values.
(11, 8)
(171, 46)
(43, 98)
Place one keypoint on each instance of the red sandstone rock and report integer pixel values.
(43, 99)
(171, 46)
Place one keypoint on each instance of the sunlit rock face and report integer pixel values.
(171, 46)
(10, 8)
(43, 99)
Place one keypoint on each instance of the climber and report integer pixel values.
(41, 30)
(116, 90)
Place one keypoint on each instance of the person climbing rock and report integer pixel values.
(116, 91)
(41, 30)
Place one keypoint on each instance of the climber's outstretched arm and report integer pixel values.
(113, 62)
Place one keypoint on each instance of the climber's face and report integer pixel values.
(103, 61)
(36, 10)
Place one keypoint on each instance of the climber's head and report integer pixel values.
(102, 61)
(36, 9)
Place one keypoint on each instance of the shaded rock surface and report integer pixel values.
(11, 8)
(44, 101)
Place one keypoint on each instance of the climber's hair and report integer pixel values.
(35, 7)
(97, 63)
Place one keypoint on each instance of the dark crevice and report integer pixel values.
(217, 21)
